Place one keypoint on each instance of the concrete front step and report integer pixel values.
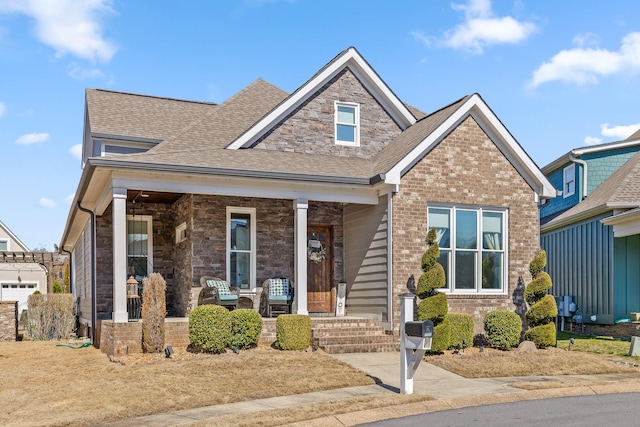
(360, 348)
(347, 332)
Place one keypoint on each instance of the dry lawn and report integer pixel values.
(44, 384)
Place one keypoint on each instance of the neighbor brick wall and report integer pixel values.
(8, 320)
(310, 128)
(464, 168)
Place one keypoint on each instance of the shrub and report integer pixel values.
(542, 306)
(441, 336)
(538, 263)
(502, 329)
(293, 332)
(538, 288)
(209, 328)
(542, 312)
(57, 288)
(153, 312)
(51, 316)
(433, 308)
(543, 336)
(461, 330)
(246, 326)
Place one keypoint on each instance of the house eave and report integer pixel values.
(553, 225)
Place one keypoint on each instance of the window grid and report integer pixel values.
(347, 123)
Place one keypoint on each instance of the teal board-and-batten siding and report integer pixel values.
(627, 276)
(580, 261)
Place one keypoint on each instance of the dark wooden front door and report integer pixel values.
(320, 272)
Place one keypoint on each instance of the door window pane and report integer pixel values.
(346, 133)
(439, 219)
(346, 114)
(240, 269)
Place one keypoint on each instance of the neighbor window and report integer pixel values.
(4, 244)
(569, 186)
(347, 120)
(241, 244)
(139, 246)
(472, 248)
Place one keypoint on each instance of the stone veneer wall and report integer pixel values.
(182, 254)
(310, 128)
(8, 320)
(465, 168)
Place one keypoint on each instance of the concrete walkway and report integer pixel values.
(450, 390)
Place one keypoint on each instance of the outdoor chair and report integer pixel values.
(217, 291)
(279, 296)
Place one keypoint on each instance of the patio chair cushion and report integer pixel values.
(279, 289)
(223, 289)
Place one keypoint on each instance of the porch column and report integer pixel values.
(300, 242)
(119, 224)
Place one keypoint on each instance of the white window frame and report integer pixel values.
(149, 220)
(568, 172)
(8, 241)
(252, 252)
(355, 125)
(450, 288)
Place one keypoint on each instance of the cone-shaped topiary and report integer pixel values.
(433, 305)
(153, 312)
(543, 307)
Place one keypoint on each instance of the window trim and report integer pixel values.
(569, 169)
(355, 125)
(252, 252)
(478, 290)
(149, 220)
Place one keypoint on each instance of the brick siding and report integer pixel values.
(464, 168)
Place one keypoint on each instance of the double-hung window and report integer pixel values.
(472, 245)
(569, 181)
(241, 247)
(139, 246)
(347, 123)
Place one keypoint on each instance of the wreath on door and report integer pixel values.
(316, 251)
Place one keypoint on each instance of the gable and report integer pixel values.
(13, 244)
(311, 127)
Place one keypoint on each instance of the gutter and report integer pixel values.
(584, 173)
(93, 270)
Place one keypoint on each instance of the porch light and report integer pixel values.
(132, 286)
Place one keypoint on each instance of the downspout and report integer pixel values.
(584, 174)
(93, 270)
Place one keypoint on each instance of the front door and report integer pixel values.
(319, 268)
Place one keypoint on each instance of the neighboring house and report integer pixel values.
(591, 232)
(18, 279)
(244, 189)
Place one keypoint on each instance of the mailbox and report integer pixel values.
(418, 335)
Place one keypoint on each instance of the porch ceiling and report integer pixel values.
(152, 196)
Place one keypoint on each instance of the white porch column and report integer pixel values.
(300, 238)
(119, 224)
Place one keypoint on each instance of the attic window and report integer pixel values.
(347, 121)
(4, 244)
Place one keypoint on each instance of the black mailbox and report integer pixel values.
(422, 329)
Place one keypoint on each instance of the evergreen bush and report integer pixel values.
(502, 329)
(154, 308)
(293, 332)
(246, 325)
(542, 306)
(543, 336)
(210, 328)
(461, 330)
(433, 305)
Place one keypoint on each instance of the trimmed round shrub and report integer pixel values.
(542, 312)
(431, 280)
(461, 330)
(441, 336)
(293, 332)
(543, 336)
(538, 263)
(537, 289)
(434, 308)
(209, 328)
(502, 329)
(246, 326)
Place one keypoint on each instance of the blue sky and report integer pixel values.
(559, 74)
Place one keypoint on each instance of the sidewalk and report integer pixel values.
(450, 390)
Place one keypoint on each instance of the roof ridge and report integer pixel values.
(153, 96)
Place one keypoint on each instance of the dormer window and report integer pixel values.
(347, 123)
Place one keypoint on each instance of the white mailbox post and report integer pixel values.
(415, 340)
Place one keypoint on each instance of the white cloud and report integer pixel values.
(46, 203)
(592, 140)
(584, 65)
(621, 132)
(3, 109)
(76, 151)
(80, 73)
(69, 199)
(32, 138)
(481, 28)
(69, 26)
(422, 37)
(585, 39)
